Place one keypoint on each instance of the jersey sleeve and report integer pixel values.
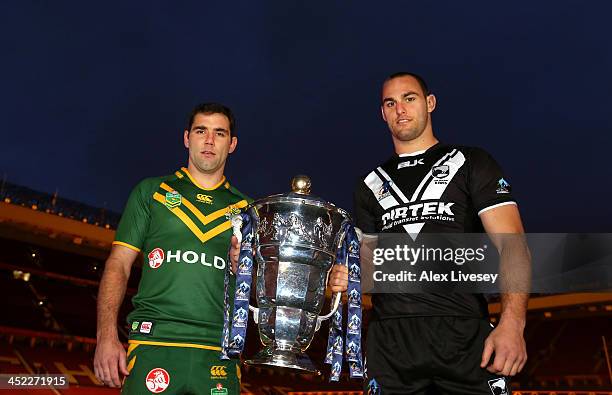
(364, 218)
(136, 216)
(487, 184)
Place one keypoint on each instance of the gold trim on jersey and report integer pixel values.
(131, 247)
(204, 237)
(130, 349)
(131, 364)
(205, 219)
(179, 174)
(184, 169)
(165, 344)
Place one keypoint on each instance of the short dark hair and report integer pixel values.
(417, 77)
(213, 108)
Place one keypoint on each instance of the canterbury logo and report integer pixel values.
(204, 198)
(218, 371)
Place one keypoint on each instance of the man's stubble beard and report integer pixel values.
(207, 167)
(409, 134)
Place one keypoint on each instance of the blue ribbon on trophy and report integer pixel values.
(233, 340)
(348, 254)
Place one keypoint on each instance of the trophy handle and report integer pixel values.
(335, 304)
(255, 312)
(337, 298)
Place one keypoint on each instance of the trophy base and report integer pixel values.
(275, 358)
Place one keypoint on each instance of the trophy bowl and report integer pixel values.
(296, 238)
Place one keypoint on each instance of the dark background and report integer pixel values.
(94, 97)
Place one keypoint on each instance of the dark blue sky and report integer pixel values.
(94, 98)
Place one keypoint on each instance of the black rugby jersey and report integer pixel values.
(440, 190)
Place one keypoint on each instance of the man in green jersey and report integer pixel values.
(180, 225)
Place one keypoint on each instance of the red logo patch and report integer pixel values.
(219, 386)
(145, 327)
(157, 380)
(156, 258)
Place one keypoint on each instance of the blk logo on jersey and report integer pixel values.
(411, 163)
(418, 212)
(498, 386)
(157, 380)
(156, 258)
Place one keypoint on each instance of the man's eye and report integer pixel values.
(411, 98)
(390, 104)
(220, 134)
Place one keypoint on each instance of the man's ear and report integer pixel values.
(431, 103)
(186, 138)
(233, 144)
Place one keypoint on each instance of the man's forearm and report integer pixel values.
(515, 269)
(514, 308)
(110, 296)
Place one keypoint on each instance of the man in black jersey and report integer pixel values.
(422, 343)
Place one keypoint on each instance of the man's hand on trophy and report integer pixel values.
(234, 253)
(338, 280)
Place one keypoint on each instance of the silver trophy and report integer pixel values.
(296, 237)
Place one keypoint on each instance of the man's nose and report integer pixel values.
(209, 138)
(400, 108)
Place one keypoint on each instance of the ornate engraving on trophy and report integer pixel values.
(292, 228)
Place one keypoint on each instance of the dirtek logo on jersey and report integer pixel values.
(157, 380)
(418, 212)
(157, 257)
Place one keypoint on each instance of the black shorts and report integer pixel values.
(429, 355)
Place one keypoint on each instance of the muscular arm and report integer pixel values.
(110, 355)
(504, 227)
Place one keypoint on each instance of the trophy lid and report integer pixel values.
(301, 185)
(300, 194)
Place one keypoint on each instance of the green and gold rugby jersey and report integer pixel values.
(183, 232)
